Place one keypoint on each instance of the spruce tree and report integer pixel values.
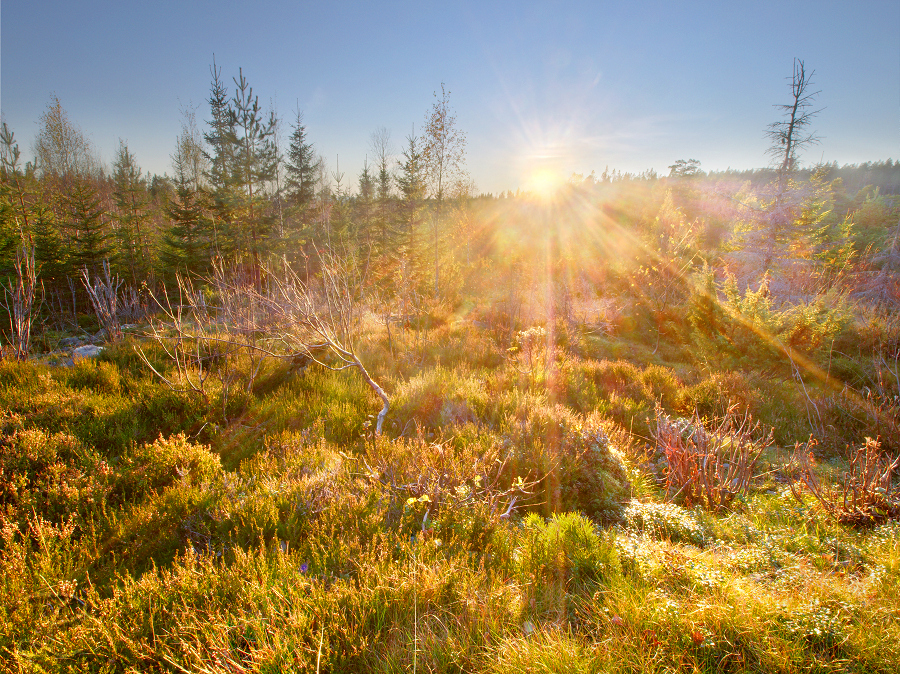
(89, 234)
(134, 237)
(411, 181)
(383, 196)
(301, 167)
(186, 242)
(255, 165)
(364, 204)
(410, 237)
(50, 253)
(221, 141)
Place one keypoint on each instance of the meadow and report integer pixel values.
(520, 511)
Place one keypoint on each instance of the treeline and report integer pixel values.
(241, 197)
(236, 197)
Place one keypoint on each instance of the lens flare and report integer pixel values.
(544, 183)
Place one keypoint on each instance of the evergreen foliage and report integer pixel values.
(136, 247)
(91, 241)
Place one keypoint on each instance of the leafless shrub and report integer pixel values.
(133, 305)
(19, 296)
(188, 335)
(104, 295)
(320, 323)
(709, 466)
(282, 318)
(867, 494)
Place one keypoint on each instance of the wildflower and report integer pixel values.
(304, 567)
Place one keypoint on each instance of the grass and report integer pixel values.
(510, 519)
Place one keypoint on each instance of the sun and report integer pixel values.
(544, 183)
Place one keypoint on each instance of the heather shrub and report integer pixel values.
(153, 467)
(566, 547)
(663, 385)
(440, 398)
(50, 475)
(570, 457)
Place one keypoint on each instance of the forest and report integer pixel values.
(259, 416)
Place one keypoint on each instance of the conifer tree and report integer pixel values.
(410, 237)
(50, 255)
(219, 157)
(89, 233)
(188, 244)
(411, 181)
(134, 237)
(185, 246)
(364, 205)
(301, 168)
(381, 148)
(254, 167)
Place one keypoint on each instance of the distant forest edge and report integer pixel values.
(413, 218)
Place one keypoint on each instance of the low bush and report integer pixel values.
(569, 456)
(710, 463)
(867, 494)
(151, 468)
(89, 374)
(566, 548)
(667, 521)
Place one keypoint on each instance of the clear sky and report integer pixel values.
(579, 85)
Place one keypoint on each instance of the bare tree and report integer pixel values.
(61, 147)
(783, 200)
(792, 134)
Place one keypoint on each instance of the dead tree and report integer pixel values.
(788, 137)
(792, 134)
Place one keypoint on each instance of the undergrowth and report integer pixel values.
(513, 516)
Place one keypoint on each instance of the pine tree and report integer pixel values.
(89, 233)
(255, 165)
(130, 193)
(221, 141)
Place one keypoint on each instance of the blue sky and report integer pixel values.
(579, 85)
